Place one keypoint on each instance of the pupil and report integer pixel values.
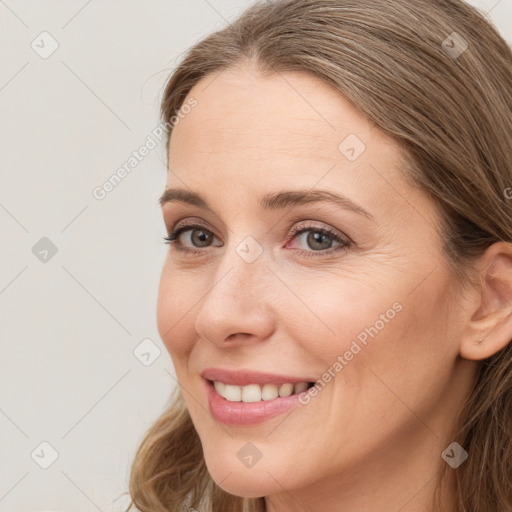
(202, 237)
(316, 237)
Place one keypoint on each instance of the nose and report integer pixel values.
(237, 306)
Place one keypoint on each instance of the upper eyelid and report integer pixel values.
(297, 228)
(190, 224)
(303, 211)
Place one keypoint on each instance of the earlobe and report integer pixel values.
(489, 327)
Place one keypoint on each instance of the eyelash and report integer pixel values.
(173, 239)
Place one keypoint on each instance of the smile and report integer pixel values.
(258, 392)
(245, 397)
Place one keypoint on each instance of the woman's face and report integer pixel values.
(365, 307)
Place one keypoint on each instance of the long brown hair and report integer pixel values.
(450, 108)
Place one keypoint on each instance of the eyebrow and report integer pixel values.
(270, 201)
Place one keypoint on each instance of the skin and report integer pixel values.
(372, 438)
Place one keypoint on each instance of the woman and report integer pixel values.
(337, 295)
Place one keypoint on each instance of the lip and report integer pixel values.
(246, 377)
(246, 413)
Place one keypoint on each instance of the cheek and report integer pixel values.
(408, 359)
(175, 308)
(352, 327)
(337, 312)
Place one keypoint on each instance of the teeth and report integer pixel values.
(300, 387)
(269, 392)
(219, 387)
(255, 392)
(251, 393)
(232, 393)
(286, 390)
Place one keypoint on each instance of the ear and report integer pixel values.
(490, 328)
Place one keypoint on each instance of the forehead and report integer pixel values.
(260, 132)
(294, 110)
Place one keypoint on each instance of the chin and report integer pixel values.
(231, 476)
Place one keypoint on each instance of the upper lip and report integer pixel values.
(246, 377)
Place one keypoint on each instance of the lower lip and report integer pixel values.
(246, 413)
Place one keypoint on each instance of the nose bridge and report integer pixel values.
(242, 267)
(244, 257)
(237, 300)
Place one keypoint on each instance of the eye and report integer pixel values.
(199, 236)
(319, 239)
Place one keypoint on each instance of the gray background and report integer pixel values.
(71, 321)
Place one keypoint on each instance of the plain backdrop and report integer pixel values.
(83, 372)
